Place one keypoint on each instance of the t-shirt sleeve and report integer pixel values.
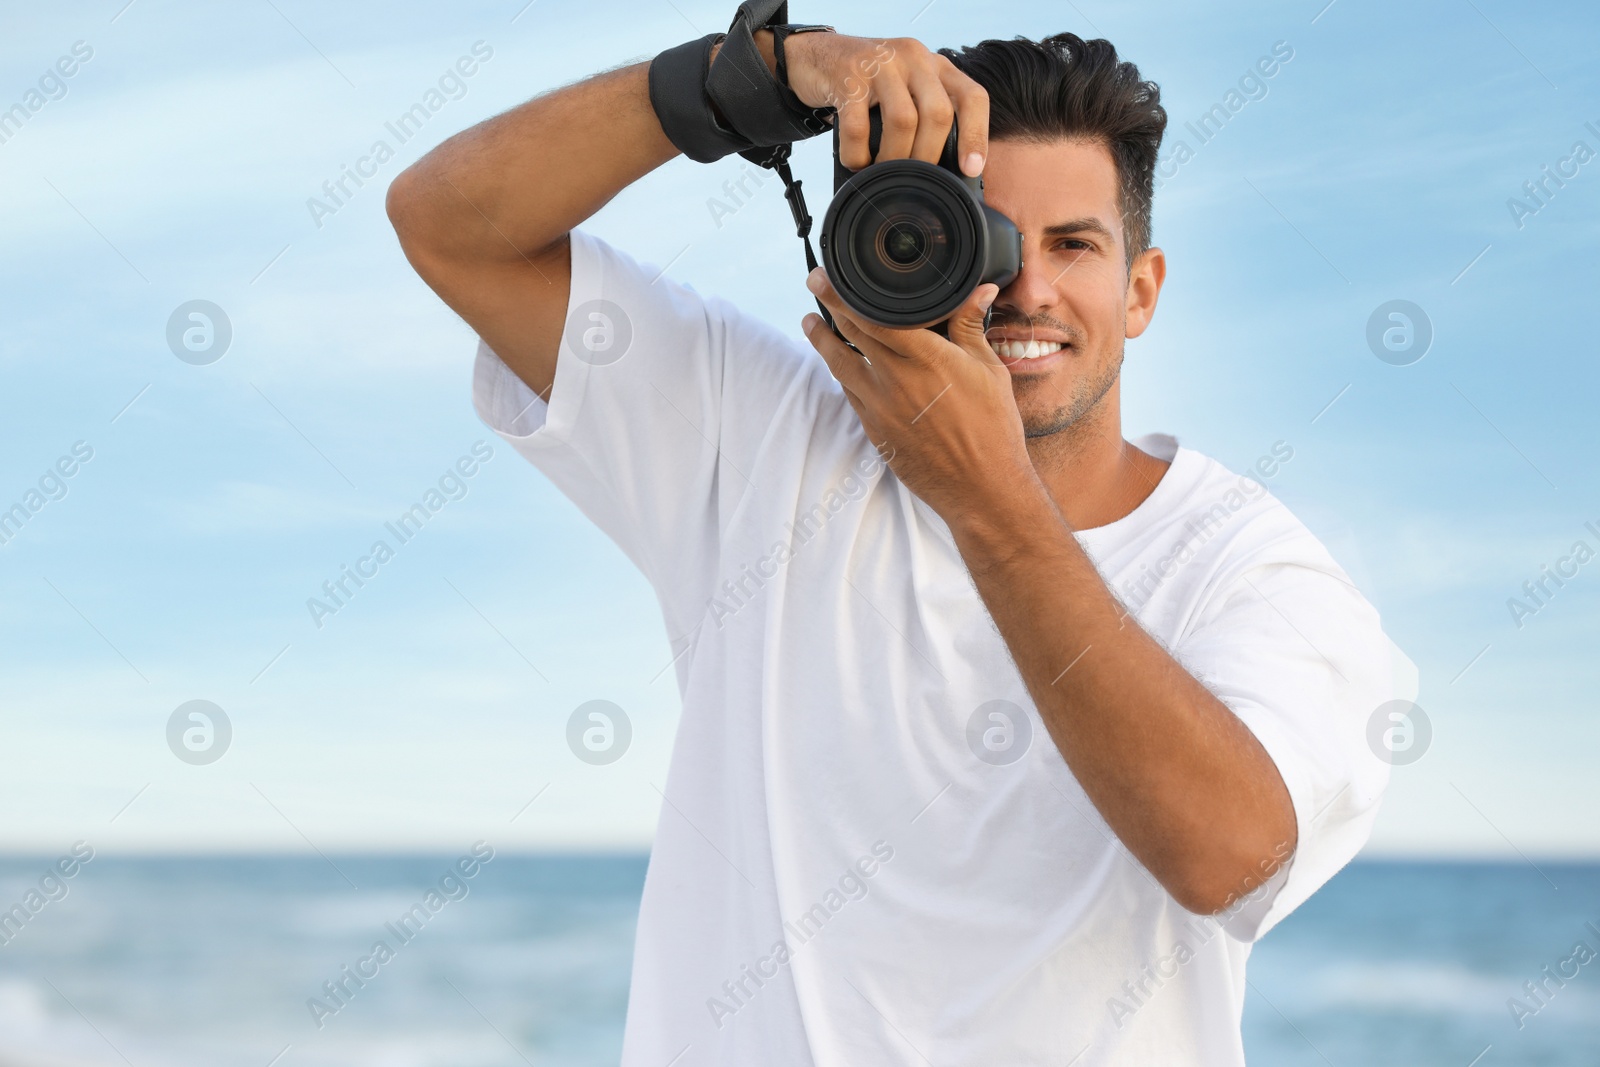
(1300, 657)
(656, 417)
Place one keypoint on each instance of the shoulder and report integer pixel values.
(1202, 508)
(1214, 531)
(1235, 515)
(1259, 552)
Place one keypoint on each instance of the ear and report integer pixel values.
(1144, 288)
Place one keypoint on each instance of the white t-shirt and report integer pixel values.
(871, 850)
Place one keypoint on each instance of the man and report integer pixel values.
(1003, 737)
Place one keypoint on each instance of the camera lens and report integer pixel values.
(903, 243)
(906, 241)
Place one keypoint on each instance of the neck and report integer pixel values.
(1095, 476)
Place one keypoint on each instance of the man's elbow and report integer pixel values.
(415, 215)
(403, 204)
(1215, 884)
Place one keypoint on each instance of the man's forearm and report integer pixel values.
(1179, 778)
(513, 185)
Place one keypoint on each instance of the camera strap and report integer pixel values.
(754, 101)
(736, 104)
(711, 108)
(776, 158)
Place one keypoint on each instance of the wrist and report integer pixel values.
(769, 55)
(764, 44)
(1002, 529)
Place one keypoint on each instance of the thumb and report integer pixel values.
(966, 325)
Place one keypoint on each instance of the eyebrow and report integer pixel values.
(1075, 226)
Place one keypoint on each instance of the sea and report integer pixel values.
(219, 961)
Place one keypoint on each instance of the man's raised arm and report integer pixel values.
(484, 217)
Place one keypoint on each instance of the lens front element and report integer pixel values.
(904, 242)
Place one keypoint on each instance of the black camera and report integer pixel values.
(905, 242)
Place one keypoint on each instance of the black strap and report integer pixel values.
(744, 88)
(677, 80)
(765, 116)
(777, 158)
(711, 109)
(740, 108)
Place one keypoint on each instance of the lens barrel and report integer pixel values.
(905, 242)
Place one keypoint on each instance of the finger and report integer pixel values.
(881, 344)
(869, 338)
(871, 430)
(966, 325)
(854, 128)
(869, 347)
(875, 352)
(972, 118)
(899, 114)
(934, 113)
(846, 365)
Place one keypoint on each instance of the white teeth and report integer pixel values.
(1025, 349)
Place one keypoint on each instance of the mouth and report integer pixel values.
(1029, 355)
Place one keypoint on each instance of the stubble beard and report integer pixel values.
(1071, 416)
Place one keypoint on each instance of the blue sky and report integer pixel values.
(177, 165)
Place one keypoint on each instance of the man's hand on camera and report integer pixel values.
(917, 92)
(941, 411)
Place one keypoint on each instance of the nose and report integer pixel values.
(1033, 289)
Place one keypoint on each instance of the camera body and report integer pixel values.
(905, 242)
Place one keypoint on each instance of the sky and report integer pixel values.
(211, 496)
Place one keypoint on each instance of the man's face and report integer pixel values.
(1075, 292)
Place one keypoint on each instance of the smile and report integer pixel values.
(1024, 349)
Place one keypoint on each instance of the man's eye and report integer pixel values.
(1073, 243)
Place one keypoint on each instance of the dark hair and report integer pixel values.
(1066, 87)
